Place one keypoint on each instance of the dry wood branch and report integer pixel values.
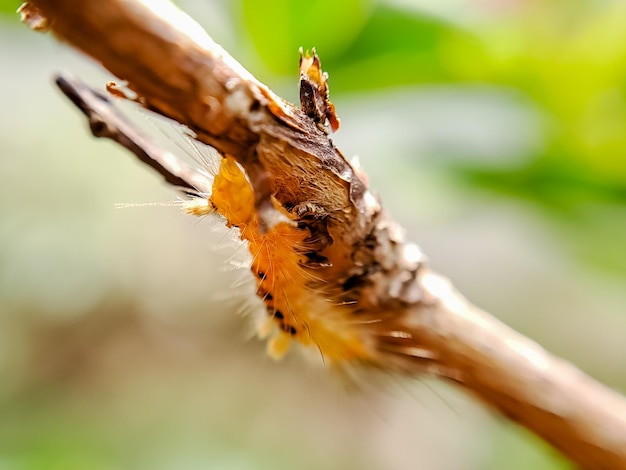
(106, 121)
(422, 323)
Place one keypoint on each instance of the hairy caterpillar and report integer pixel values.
(286, 261)
(290, 260)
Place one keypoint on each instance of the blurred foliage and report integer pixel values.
(365, 45)
(8, 7)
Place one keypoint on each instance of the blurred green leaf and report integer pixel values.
(363, 47)
(8, 8)
(279, 27)
(398, 47)
(572, 63)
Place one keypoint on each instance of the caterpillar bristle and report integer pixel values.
(198, 207)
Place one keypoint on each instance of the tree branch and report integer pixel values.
(408, 319)
(107, 121)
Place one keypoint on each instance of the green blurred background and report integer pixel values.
(495, 132)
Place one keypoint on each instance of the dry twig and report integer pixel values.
(411, 320)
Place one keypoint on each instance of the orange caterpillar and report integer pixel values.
(286, 285)
(291, 260)
(293, 274)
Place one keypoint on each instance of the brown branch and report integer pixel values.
(421, 323)
(107, 121)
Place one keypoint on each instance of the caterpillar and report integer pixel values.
(312, 294)
(289, 261)
(288, 267)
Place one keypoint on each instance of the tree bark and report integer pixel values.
(422, 325)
